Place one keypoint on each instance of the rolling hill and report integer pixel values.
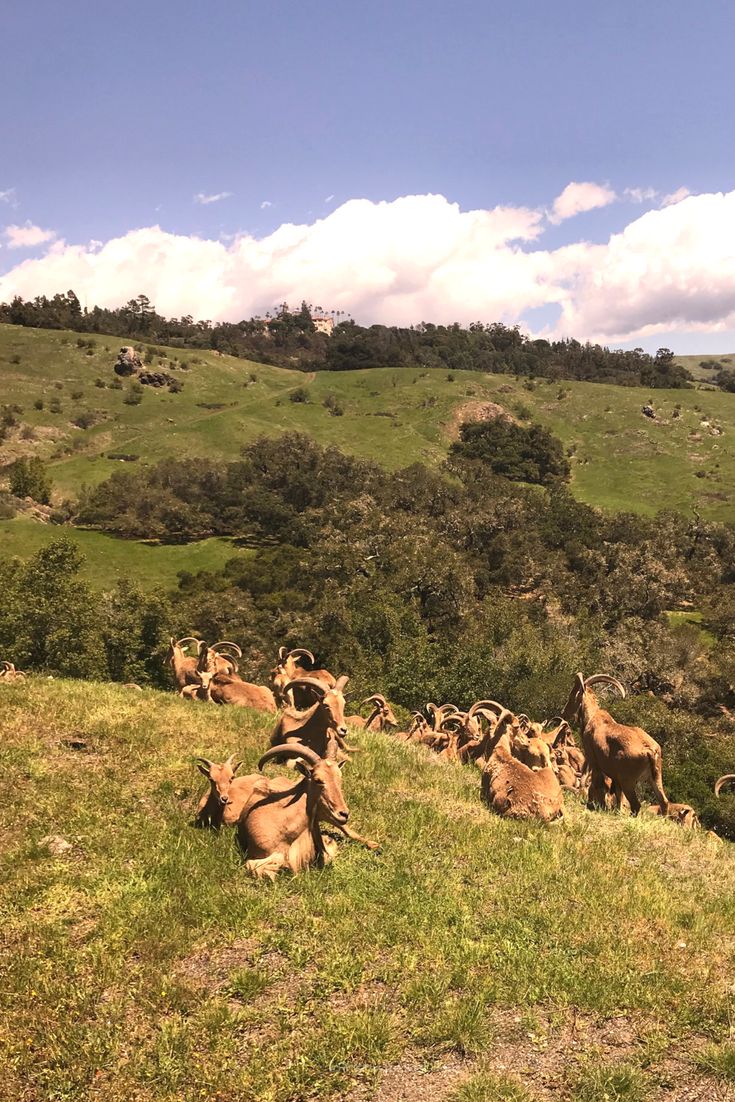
(683, 459)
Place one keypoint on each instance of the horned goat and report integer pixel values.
(626, 755)
(279, 825)
(287, 671)
(319, 725)
(182, 666)
(511, 788)
(8, 672)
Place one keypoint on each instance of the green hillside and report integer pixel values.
(468, 959)
(620, 459)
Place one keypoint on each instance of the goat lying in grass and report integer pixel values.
(227, 795)
(8, 672)
(318, 725)
(513, 789)
(279, 825)
(287, 671)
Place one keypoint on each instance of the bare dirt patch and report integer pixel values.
(545, 1053)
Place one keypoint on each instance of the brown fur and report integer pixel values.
(626, 755)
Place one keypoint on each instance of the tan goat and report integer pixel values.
(227, 689)
(287, 671)
(511, 788)
(380, 719)
(214, 803)
(182, 666)
(319, 725)
(8, 672)
(626, 755)
(683, 814)
(279, 825)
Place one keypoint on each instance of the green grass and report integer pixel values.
(108, 559)
(143, 963)
(691, 363)
(621, 459)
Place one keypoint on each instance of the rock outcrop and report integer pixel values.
(129, 363)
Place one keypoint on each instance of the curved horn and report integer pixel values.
(299, 653)
(456, 717)
(290, 750)
(447, 708)
(207, 762)
(376, 698)
(320, 686)
(282, 654)
(605, 679)
(186, 639)
(341, 682)
(482, 704)
(729, 778)
(486, 714)
(432, 709)
(7, 665)
(226, 643)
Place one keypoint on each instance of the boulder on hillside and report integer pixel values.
(128, 361)
(155, 378)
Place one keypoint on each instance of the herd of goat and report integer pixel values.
(525, 766)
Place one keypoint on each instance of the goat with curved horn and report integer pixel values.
(623, 754)
(226, 643)
(323, 721)
(183, 667)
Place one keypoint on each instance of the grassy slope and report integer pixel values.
(691, 363)
(144, 964)
(108, 559)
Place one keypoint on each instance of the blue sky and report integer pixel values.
(116, 116)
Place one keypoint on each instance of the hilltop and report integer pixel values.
(469, 958)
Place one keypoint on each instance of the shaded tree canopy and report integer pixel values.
(520, 453)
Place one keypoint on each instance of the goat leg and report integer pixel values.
(357, 837)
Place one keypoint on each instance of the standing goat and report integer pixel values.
(626, 755)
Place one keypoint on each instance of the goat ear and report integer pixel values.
(303, 768)
(203, 769)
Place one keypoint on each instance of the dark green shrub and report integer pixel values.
(28, 478)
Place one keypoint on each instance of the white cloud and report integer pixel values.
(640, 194)
(675, 197)
(329, 199)
(205, 199)
(26, 237)
(421, 258)
(8, 197)
(577, 198)
(265, 204)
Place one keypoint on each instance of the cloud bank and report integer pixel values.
(421, 258)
